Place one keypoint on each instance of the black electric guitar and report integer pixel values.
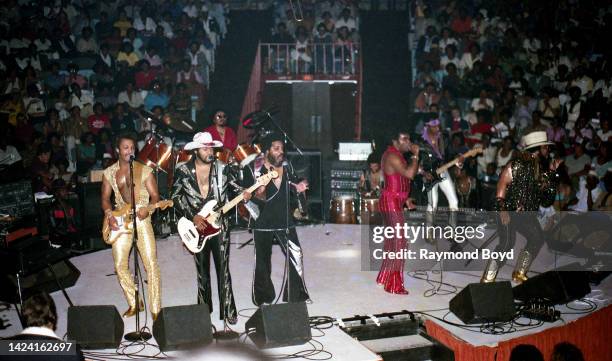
(436, 178)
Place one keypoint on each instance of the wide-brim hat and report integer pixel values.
(203, 140)
(535, 139)
(433, 123)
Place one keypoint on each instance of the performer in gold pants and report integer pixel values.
(117, 180)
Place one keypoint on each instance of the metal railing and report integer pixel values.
(314, 58)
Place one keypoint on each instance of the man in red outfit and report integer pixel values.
(398, 174)
(222, 132)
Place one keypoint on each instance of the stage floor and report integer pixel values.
(337, 286)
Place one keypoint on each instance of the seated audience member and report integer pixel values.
(156, 97)
(526, 353)
(74, 77)
(128, 55)
(86, 154)
(131, 98)
(426, 98)
(578, 163)
(40, 170)
(10, 159)
(63, 230)
(588, 193)
(40, 316)
(565, 351)
(99, 120)
(604, 201)
(145, 75)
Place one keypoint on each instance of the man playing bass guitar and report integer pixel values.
(197, 182)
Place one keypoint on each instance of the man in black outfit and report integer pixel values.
(274, 223)
(197, 182)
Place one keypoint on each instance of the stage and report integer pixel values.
(337, 286)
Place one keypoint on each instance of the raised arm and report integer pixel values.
(396, 165)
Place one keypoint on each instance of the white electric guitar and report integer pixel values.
(194, 240)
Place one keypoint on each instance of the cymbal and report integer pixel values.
(178, 124)
(255, 119)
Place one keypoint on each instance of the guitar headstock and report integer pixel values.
(165, 204)
(266, 178)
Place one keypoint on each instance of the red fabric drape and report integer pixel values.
(252, 99)
(589, 333)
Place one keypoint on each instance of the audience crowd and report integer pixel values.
(319, 37)
(493, 71)
(75, 73)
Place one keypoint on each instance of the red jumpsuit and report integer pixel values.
(392, 199)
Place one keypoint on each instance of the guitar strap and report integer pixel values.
(138, 168)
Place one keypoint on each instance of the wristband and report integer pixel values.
(500, 204)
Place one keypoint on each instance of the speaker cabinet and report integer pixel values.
(283, 324)
(91, 211)
(557, 286)
(484, 302)
(95, 327)
(308, 166)
(183, 327)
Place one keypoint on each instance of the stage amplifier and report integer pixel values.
(16, 199)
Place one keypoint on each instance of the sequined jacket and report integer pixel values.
(186, 193)
(530, 186)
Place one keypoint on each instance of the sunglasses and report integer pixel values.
(221, 116)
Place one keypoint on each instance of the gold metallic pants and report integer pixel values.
(148, 254)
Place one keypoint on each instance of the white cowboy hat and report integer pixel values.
(535, 139)
(203, 140)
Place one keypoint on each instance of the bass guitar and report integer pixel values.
(195, 240)
(429, 184)
(123, 216)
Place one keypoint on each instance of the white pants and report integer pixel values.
(71, 143)
(448, 188)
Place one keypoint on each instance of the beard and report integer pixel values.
(276, 161)
(208, 159)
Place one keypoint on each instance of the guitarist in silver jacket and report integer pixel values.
(198, 181)
(432, 156)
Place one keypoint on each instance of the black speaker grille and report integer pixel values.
(183, 327)
(95, 327)
(279, 325)
(484, 302)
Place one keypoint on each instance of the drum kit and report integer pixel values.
(346, 209)
(163, 150)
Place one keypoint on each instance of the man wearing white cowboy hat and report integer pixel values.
(525, 183)
(197, 181)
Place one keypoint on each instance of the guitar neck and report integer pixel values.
(152, 207)
(231, 204)
(446, 166)
(128, 208)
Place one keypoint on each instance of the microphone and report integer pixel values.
(211, 158)
(132, 157)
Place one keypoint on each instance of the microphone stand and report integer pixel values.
(137, 335)
(287, 258)
(285, 136)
